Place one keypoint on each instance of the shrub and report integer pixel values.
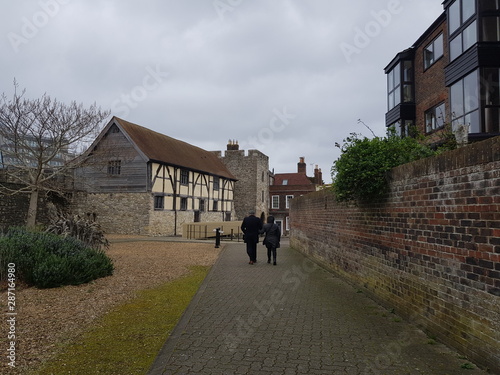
(46, 260)
(87, 230)
(361, 172)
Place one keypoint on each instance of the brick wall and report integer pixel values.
(431, 252)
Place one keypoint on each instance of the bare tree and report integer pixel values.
(39, 139)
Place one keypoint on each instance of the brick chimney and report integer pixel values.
(232, 145)
(318, 175)
(301, 166)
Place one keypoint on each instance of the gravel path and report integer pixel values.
(49, 318)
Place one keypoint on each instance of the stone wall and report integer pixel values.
(431, 252)
(14, 208)
(252, 188)
(121, 213)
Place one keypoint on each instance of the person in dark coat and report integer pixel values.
(251, 227)
(272, 238)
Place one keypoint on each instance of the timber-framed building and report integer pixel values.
(138, 181)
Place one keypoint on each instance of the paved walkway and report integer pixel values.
(293, 318)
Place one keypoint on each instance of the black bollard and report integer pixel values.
(217, 238)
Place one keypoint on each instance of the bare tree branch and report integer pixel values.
(39, 139)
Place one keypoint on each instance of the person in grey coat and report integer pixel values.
(272, 238)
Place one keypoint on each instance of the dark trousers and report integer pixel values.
(271, 249)
(252, 250)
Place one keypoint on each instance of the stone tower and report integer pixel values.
(252, 171)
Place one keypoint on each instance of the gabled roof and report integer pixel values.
(157, 147)
(293, 179)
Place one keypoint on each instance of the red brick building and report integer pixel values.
(451, 74)
(286, 186)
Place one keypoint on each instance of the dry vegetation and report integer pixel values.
(49, 318)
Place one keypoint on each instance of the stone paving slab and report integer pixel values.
(293, 318)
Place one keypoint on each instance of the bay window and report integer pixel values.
(464, 99)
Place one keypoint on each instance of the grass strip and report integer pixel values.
(128, 338)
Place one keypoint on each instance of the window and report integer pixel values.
(275, 202)
(184, 176)
(216, 183)
(402, 128)
(114, 167)
(433, 52)
(464, 98)
(288, 199)
(463, 41)
(393, 87)
(490, 83)
(435, 118)
(287, 223)
(184, 204)
(460, 14)
(202, 205)
(159, 202)
(491, 29)
(485, 5)
(215, 206)
(285, 182)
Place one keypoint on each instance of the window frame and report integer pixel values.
(159, 202)
(273, 206)
(184, 178)
(114, 167)
(466, 26)
(216, 183)
(183, 204)
(434, 57)
(434, 116)
(466, 107)
(288, 198)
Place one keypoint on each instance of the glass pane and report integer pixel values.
(429, 121)
(440, 115)
(397, 97)
(468, 9)
(408, 71)
(397, 75)
(491, 120)
(457, 100)
(491, 29)
(407, 93)
(472, 120)
(390, 81)
(428, 57)
(456, 47)
(438, 47)
(471, 95)
(489, 5)
(390, 101)
(490, 86)
(454, 16)
(470, 36)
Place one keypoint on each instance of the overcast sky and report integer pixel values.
(287, 77)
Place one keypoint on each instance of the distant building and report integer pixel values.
(451, 75)
(138, 181)
(251, 191)
(286, 186)
(26, 151)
